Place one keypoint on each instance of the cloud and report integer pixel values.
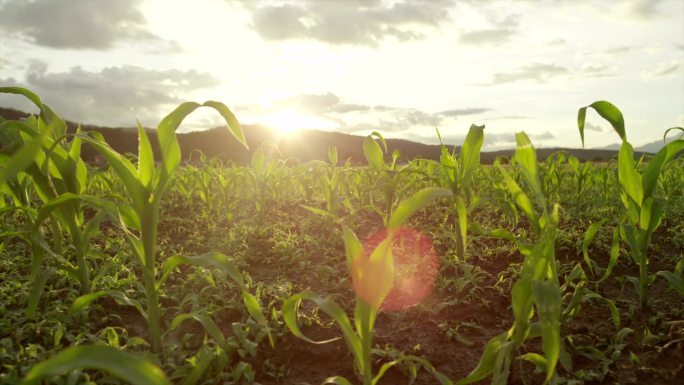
(355, 117)
(593, 127)
(509, 117)
(642, 9)
(67, 24)
(464, 111)
(663, 70)
(546, 135)
(354, 22)
(106, 97)
(539, 72)
(501, 32)
(598, 70)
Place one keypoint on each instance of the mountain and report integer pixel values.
(650, 147)
(303, 146)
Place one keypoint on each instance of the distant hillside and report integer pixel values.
(305, 145)
(650, 147)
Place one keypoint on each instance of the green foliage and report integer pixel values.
(102, 266)
(129, 368)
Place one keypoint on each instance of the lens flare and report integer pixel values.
(413, 271)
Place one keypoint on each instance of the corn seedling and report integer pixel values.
(373, 277)
(457, 174)
(643, 209)
(536, 288)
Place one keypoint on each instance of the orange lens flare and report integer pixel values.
(403, 280)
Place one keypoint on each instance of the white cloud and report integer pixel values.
(353, 22)
(66, 24)
(106, 97)
(663, 69)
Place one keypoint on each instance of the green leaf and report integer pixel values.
(651, 214)
(166, 134)
(145, 157)
(416, 202)
(24, 92)
(675, 280)
(609, 112)
(320, 212)
(537, 359)
(212, 259)
(125, 366)
(488, 360)
(352, 247)
(588, 237)
(123, 168)
(120, 297)
(207, 323)
(614, 312)
(462, 213)
(628, 177)
(521, 199)
(373, 277)
(383, 369)
(233, 124)
(655, 165)
(630, 235)
(526, 157)
(373, 153)
(201, 362)
(332, 155)
(289, 312)
(470, 153)
(254, 308)
(24, 157)
(37, 286)
(547, 297)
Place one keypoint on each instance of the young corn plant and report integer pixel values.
(375, 274)
(384, 176)
(643, 209)
(537, 288)
(59, 177)
(145, 185)
(328, 180)
(457, 174)
(581, 173)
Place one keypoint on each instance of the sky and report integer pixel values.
(400, 67)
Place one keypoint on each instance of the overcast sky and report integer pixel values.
(399, 67)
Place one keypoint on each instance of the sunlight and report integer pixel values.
(290, 121)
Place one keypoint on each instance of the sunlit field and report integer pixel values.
(150, 270)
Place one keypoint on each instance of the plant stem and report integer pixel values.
(148, 234)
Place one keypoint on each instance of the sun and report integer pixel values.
(288, 121)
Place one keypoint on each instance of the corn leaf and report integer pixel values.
(120, 364)
(629, 179)
(470, 153)
(547, 297)
(521, 199)
(212, 259)
(588, 237)
(233, 124)
(488, 360)
(416, 202)
(145, 157)
(207, 323)
(526, 157)
(655, 165)
(609, 112)
(289, 312)
(373, 153)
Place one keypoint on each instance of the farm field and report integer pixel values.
(149, 271)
